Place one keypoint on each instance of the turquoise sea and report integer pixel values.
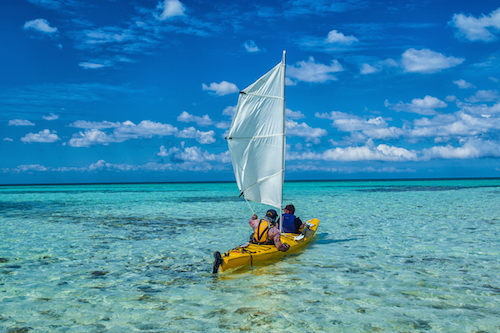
(390, 256)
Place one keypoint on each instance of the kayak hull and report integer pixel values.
(253, 254)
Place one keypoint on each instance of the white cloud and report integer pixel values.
(90, 137)
(93, 65)
(20, 122)
(368, 69)
(483, 28)
(303, 130)
(368, 152)
(338, 37)
(484, 96)
(197, 155)
(8, 139)
(94, 124)
(51, 116)
(164, 152)
(377, 66)
(250, 46)
(146, 129)
(127, 130)
(29, 167)
(201, 137)
(310, 71)
(170, 8)
(40, 25)
(222, 88)
(193, 154)
(427, 61)
(44, 136)
(229, 110)
(462, 84)
(186, 117)
(472, 148)
(424, 106)
(290, 114)
(363, 128)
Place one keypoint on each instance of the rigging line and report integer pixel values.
(248, 203)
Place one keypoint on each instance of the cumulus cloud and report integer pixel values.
(424, 106)
(8, 139)
(93, 65)
(378, 66)
(122, 131)
(40, 25)
(250, 46)
(44, 136)
(372, 127)
(20, 122)
(201, 137)
(290, 114)
(484, 96)
(368, 152)
(221, 88)
(164, 152)
(28, 168)
(94, 124)
(186, 117)
(311, 71)
(51, 116)
(229, 110)
(474, 29)
(90, 137)
(368, 69)
(471, 148)
(193, 154)
(338, 37)
(427, 61)
(303, 130)
(170, 8)
(462, 84)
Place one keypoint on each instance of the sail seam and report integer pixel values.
(264, 96)
(262, 180)
(254, 137)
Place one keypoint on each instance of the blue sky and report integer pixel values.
(110, 91)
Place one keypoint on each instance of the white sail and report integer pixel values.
(256, 138)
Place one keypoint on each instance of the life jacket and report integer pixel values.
(289, 224)
(261, 232)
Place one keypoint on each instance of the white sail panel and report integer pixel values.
(256, 138)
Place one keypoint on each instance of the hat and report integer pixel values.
(272, 214)
(290, 208)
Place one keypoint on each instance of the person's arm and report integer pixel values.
(254, 221)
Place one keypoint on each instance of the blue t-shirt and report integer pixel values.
(291, 224)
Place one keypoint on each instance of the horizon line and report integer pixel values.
(233, 181)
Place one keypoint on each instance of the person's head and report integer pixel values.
(290, 208)
(271, 213)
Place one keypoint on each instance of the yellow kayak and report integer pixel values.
(253, 254)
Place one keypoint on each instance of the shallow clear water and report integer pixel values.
(391, 256)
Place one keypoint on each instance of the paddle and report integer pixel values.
(302, 234)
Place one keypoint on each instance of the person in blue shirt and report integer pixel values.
(291, 223)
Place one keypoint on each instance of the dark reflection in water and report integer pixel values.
(405, 188)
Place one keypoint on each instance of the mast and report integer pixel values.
(283, 62)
